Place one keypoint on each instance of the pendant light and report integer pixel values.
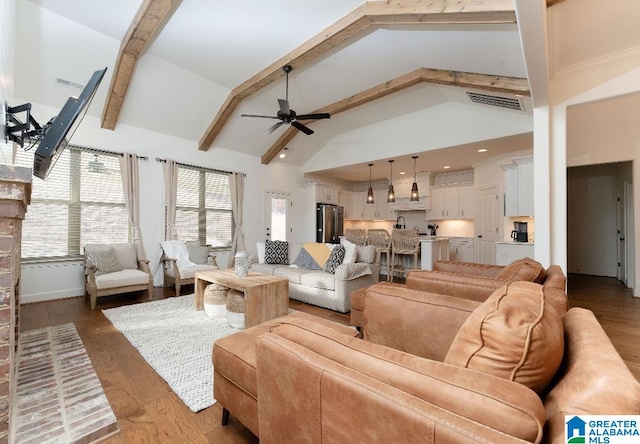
(370, 192)
(391, 196)
(415, 197)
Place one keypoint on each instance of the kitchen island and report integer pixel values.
(433, 248)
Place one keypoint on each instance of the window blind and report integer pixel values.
(203, 207)
(80, 202)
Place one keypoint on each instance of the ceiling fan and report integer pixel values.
(287, 115)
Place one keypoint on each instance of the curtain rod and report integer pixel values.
(158, 159)
(99, 151)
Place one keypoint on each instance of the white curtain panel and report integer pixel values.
(236, 182)
(170, 173)
(131, 188)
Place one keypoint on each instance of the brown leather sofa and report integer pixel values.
(441, 369)
(468, 280)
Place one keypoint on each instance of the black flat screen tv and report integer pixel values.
(61, 128)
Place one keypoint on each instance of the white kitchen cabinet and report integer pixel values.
(326, 194)
(383, 208)
(507, 252)
(358, 204)
(379, 210)
(402, 187)
(467, 202)
(345, 200)
(461, 249)
(518, 187)
(447, 203)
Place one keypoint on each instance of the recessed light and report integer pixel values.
(282, 155)
(482, 150)
(447, 167)
(402, 172)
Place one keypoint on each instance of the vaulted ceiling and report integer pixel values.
(204, 63)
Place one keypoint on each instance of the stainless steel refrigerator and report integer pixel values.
(329, 222)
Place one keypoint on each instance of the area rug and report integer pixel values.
(59, 398)
(176, 340)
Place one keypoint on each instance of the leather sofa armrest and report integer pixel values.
(464, 286)
(423, 324)
(469, 268)
(332, 387)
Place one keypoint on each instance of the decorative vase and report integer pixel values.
(242, 263)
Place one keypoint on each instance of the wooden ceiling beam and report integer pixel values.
(494, 84)
(553, 2)
(393, 12)
(146, 24)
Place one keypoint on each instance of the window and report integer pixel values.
(203, 207)
(80, 202)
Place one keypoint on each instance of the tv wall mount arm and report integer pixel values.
(18, 131)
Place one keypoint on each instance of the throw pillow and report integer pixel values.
(525, 269)
(276, 252)
(105, 261)
(516, 334)
(313, 256)
(349, 252)
(198, 254)
(336, 258)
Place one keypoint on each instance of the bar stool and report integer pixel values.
(404, 243)
(381, 239)
(356, 236)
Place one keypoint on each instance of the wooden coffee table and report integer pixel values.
(266, 297)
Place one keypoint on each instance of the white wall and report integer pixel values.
(7, 26)
(441, 126)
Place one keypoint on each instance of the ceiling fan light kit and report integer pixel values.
(286, 115)
(391, 195)
(415, 196)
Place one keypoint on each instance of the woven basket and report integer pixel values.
(235, 309)
(215, 300)
(235, 301)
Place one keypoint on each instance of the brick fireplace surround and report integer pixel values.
(15, 195)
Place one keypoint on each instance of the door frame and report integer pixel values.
(266, 212)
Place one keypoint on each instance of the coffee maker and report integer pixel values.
(520, 233)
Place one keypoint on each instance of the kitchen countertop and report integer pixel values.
(514, 243)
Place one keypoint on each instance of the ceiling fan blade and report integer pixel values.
(257, 115)
(273, 128)
(313, 116)
(308, 131)
(284, 106)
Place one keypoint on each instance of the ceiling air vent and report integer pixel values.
(68, 83)
(500, 101)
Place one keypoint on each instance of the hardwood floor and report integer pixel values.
(148, 411)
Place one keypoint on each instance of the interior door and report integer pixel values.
(622, 230)
(277, 215)
(488, 228)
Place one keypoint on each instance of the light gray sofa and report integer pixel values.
(317, 287)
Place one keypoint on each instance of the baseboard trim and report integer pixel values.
(51, 296)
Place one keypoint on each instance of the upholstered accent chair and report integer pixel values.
(114, 269)
(182, 260)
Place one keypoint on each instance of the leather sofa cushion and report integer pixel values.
(523, 270)
(516, 334)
